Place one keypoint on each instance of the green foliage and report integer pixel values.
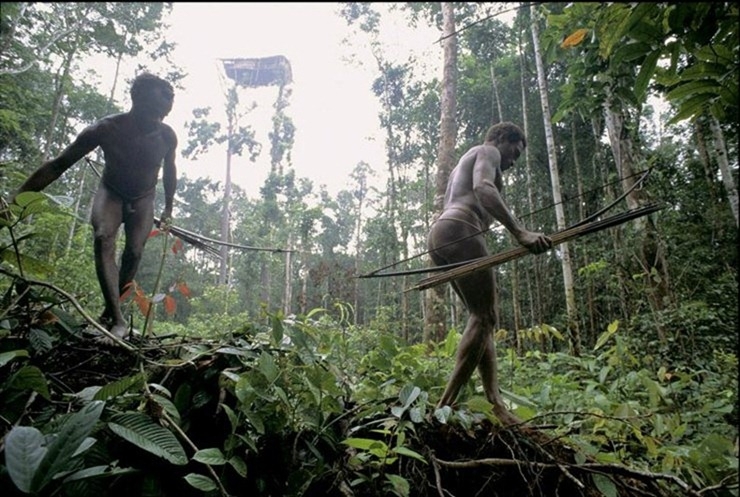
(696, 44)
(142, 431)
(318, 399)
(33, 460)
(629, 407)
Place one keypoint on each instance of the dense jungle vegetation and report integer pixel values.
(284, 373)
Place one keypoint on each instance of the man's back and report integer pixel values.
(474, 169)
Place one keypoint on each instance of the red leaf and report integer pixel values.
(127, 291)
(153, 233)
(144, 305)
(183, 289)
(169, 305)
(177, 246)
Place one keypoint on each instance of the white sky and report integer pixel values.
(332, 106)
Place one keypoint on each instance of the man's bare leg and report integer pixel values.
(106, 219)
(138, 219)
(488, 369)
(469, 353)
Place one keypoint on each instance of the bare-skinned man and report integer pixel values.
(472, 202)
(136, 145)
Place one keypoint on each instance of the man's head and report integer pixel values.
(509, 139)
(152, 95)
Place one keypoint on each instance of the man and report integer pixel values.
(472, 201)
(135, 145)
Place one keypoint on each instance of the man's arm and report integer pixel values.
(50, 170)
(169, 179)
(485, 171)
(486, 175)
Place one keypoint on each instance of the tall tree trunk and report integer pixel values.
(266, 281)
(76, 209)
(303, 300)
(391, 207)
(582, 215)
(705, 159)
(113, 87)
(288, 290)
(434, 325)
(60, 92)
(516, 310)
(570, 301)
(358, 251)
(496, 98)
(651, 255)
(535, 309)
(223, 274)
(720, 151)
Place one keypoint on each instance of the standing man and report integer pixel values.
(472, 202)
(135, 144)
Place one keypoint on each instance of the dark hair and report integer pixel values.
(505, 132)
(146, 82)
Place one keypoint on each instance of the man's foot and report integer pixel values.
(119, 330)
(505, 416)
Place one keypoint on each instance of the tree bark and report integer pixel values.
(720, 151)
(650, 253)
(225, 213)
(535, 308)
(434, 325)
(570, 301)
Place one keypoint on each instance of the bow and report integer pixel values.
(579, 229)
(377, 273)
(598, 213)
(199, 241)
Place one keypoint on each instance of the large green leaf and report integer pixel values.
(691, 107)
(408, 395)
(32, 265)
(630, 52)
(212, 456)
(691, 88)
(103, 471)
(604, 337)
(201, 482)
(143, 432)
(6, 357)
(24, 450)
(30, 203)
(268, 367)
(647, 70)
(29, 378)
(116, 388)
(72, 434)
(605, 485)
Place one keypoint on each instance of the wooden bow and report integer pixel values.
(517, 252)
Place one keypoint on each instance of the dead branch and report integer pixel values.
(586, 467)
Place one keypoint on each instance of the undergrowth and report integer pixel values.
(311, 405)
(306, 406)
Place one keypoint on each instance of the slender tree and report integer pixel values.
(434, 326)
(555, 180)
